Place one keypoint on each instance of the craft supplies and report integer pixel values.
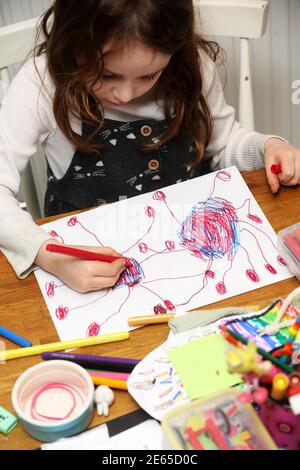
(150, 319)
(285, 367)
(294, 399)
(245, 360)
(276, 394)
(217, 422)
(280, 385)
(61, 345)
(203, 317)
(277, 324)
(53, 400)
(7, 421)
(282, 424)
(198, 379)
(109, 375)
(113, 383)
(251, 327)
(17, 339)
(288, 245)
(117, 364)
(103, 398)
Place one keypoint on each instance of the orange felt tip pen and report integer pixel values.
(112, 383)
(280, 385)
(84, 254)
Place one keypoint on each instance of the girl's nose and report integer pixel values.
(123, 94)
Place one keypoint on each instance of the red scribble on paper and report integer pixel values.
(170, 306)
(170, 245)
(281, 260)
(50, 288)
(54, 234)
(270, 268)
(221, 288)
(131, 276)
(93, 329)
(159, 309)
(72, 222)
(62, 312)
(252, 275)
(150, 211)
(210, 274)
(159, 196)
(143, 247)
(255, 218)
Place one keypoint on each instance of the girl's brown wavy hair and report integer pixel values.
(73, 29)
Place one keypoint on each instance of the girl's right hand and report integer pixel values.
(81, 275)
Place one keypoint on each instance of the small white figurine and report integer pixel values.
(103, 398)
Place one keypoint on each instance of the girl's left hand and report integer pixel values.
(279, 152)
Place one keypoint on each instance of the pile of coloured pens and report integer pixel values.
(104, 370)
(62, 345)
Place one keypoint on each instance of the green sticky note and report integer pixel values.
(201, 366)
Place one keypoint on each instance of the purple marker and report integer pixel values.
(117, 364)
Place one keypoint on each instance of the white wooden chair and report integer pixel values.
(16, 41)
(245, 19)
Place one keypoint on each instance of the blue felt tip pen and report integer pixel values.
(14, 338)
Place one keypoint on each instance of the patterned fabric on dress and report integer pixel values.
(121, 169)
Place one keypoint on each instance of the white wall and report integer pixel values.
(275, 61)
(275, 66)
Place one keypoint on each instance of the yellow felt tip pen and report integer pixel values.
(112, 383)
(150, 319)
(62, 345)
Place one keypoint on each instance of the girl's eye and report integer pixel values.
(146, 77)
(149, 77)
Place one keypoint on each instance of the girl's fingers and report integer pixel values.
(99, 269)
(98, 283)
(272, 178)
(296, 179)
(288, 170)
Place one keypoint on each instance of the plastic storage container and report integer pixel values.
(288, 246)
(54, 388)
(218, 422)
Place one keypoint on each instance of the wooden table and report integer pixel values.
(22, 309)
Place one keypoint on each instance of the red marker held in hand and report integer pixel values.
(276, 168)
(84, 254)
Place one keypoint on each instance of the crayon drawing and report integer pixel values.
(189, 245)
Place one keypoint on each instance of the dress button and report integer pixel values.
(146, 131)
(153, 165)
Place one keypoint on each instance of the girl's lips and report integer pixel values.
(112, 103)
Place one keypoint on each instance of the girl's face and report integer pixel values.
(129, 74)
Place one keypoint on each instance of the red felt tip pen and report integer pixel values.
(84, 254)
(276, 168)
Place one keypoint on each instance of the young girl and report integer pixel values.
(124, 98)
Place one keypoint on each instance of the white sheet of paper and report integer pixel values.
(93, 439)
(144, 436)
(191, 244)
